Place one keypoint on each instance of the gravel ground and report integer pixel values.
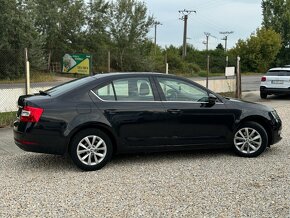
(213, 183)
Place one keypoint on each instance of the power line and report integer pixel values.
(184, 17)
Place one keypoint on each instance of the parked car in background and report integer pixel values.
(95, 117)
(276, 81)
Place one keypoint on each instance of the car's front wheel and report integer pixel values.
(250, 139)
(91, 149)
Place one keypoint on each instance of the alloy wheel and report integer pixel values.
(91, 150)
(247, 140)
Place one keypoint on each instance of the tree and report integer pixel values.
(220, 47)
(96, 37)
(17, 32)
(60, 23)
(97, 22)
(276, 15)
(128, 27)
(259, 51)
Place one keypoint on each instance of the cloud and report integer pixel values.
(242, 17)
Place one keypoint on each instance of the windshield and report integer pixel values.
(57, 90)
(278, 73)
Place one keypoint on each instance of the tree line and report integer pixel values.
(51, 28)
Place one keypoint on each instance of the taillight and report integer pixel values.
(263, 79)
(31, 114)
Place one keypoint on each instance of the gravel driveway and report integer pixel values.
(213, 183)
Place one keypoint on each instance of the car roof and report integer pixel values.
(100, 75)
(280, 68)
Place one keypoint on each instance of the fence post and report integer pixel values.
(207, 73)
(166, 68)
(238, 79)
(109, 61)
(27, 73)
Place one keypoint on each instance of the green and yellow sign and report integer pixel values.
(76, 63)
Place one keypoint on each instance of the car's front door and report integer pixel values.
(190, 118)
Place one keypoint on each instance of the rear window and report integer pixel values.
(60, 89)
(278, 73)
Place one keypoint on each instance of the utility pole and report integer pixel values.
(226, 34)
(207, 35)
(238, 80)
(155, 26)
(184, 17)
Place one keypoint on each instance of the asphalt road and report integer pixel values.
(251, 83)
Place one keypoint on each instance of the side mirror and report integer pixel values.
(211, 99)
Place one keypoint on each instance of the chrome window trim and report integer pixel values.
(193, 102)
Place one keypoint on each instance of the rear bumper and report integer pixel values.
(270, 91)
(39, 141)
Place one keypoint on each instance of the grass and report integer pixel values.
(7, 118)
(228, 94)
(251, 74)
(34, 77)
(200, 74)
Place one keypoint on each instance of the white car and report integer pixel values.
(276, 81)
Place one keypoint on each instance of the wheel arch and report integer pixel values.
(106, 129)
(262, 121)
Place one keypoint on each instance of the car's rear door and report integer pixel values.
(133, 108)
(189, 117)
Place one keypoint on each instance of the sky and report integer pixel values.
(242, 17)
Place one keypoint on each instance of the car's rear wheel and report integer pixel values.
(250, 139)
(263, 95)
(91, 149)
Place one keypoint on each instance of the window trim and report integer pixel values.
(158, 101)
(154, 90)
(157, 91)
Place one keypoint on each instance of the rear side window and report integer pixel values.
(128, 89)
(106, 92)
(58, 90)
(278, 73)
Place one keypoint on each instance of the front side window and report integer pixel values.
(179, 90)
(128, 89)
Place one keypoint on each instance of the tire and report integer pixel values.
(250, 140)
(263, 95)
(91, 149)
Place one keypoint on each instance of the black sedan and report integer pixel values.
(95, 117)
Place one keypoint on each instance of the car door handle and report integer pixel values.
(174, 111)
(110, 111)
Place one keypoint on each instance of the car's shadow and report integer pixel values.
(54, 163)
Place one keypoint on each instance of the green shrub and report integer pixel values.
(7, 118)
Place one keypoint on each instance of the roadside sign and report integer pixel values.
(76, 63)
(230, 71)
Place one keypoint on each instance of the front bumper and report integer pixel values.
(276, 127)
